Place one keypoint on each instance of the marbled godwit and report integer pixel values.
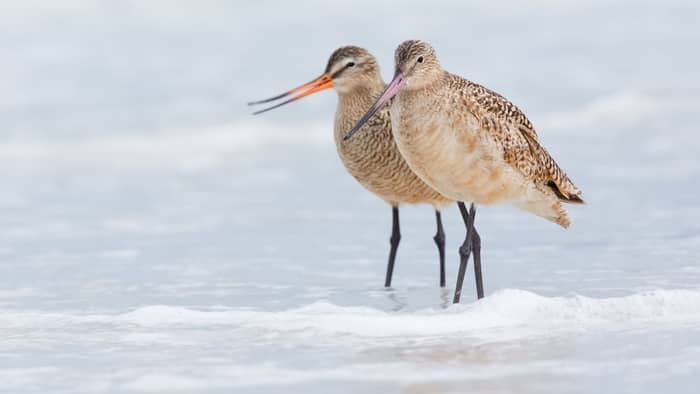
(470, 144)
(373, 159)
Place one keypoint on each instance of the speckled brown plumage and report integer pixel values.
(524, 151)
(373, 158)
(471, 143)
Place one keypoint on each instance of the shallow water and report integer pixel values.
(154, 237)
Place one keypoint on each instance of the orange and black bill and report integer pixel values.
(321, 83)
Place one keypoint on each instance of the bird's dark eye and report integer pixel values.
(420, 59)
(351, 64)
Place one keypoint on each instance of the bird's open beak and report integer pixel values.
(389, 92)
(321, 83)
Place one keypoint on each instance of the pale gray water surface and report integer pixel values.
(154, 237)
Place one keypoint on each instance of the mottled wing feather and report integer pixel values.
(556, 179)
(501, 109)
(521, 147)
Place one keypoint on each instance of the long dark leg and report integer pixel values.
(476, 250)
(394, 240)
(440, 242)
(464, 250)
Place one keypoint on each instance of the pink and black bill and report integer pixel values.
(389, 93)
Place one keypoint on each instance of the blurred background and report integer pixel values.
(143, 208)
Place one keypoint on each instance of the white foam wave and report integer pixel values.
(507, 312)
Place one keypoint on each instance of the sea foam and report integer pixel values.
(507, 312)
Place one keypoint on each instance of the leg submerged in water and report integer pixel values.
(471, 245)
(476, 250)
(464, 252)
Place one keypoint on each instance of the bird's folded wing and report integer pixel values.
(521, 148)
